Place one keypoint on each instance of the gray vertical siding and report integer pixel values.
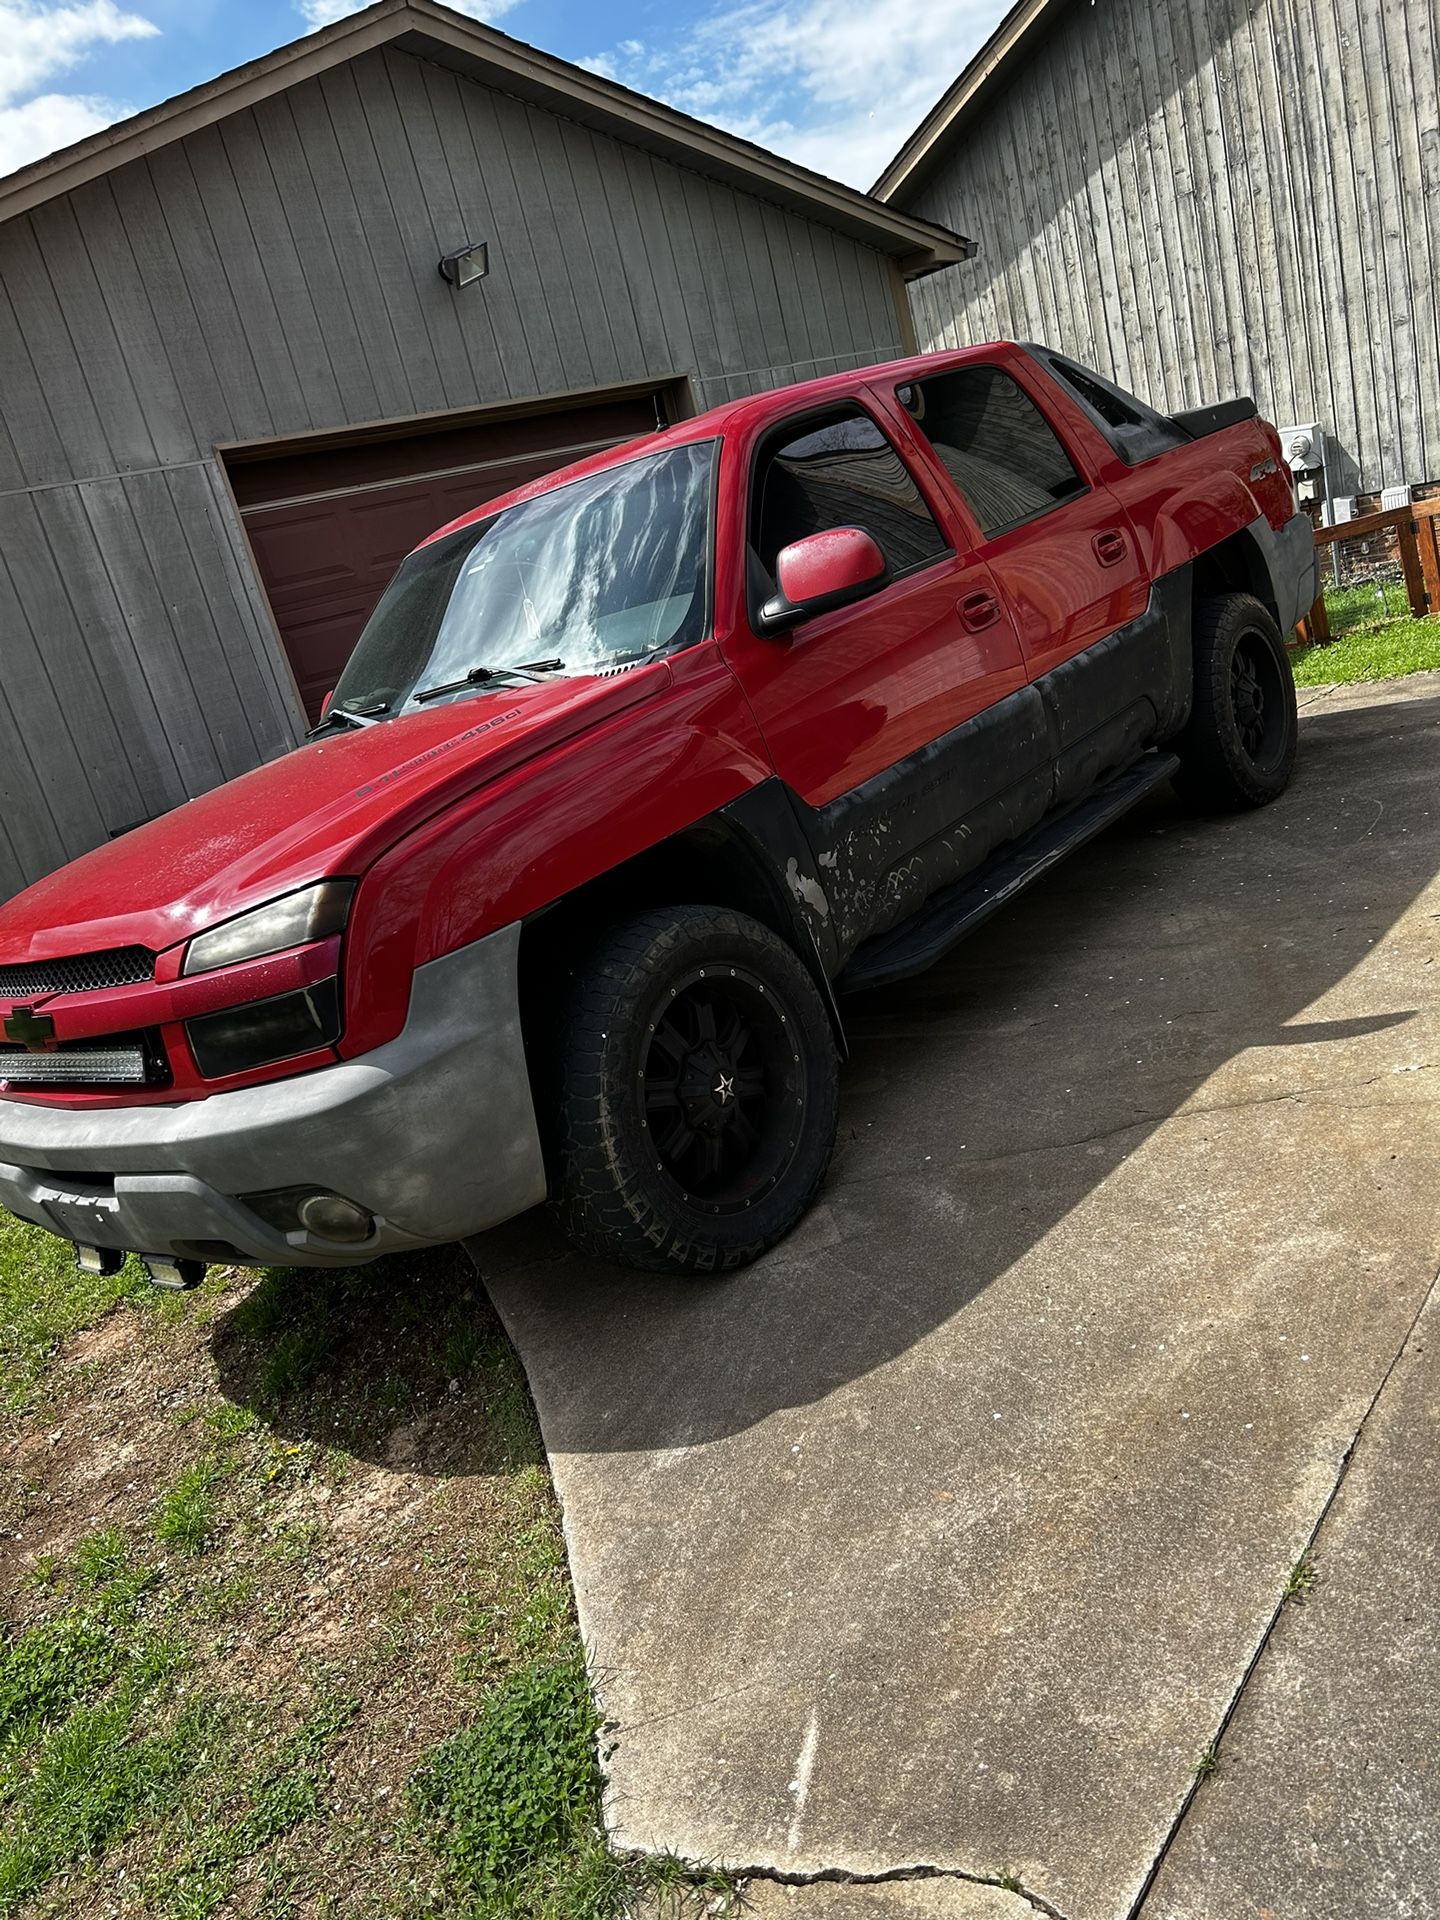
(273, 275)
(1208, 197)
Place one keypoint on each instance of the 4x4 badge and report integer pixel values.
(31, 1030)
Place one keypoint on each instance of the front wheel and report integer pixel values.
(1238, 749)
(698, 1092)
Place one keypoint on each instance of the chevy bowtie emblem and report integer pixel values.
(31, 1030)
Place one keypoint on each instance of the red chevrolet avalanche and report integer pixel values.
(632, 776)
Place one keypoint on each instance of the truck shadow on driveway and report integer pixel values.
(986, 1100)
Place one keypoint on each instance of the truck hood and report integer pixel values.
(327, 809)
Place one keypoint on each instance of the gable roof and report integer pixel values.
(1016, 32)
(435, 32)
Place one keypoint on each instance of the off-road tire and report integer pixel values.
(1238, 748)
(613, 1192)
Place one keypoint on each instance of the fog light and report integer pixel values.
(330, 1217)
(177, 1275)
(261, 1031)
(99, 1260)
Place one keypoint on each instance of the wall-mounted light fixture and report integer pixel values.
(464, 268)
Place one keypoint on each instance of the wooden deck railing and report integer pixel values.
(1417, 537)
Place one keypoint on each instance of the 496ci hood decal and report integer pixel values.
(434, 753)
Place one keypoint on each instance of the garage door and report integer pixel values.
(328, 528)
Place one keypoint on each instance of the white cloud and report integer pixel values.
(47, 123)
(324, 13)
(36, 43)
(39, 41)
(835, 84)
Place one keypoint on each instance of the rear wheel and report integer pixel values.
(1238, 749)
(698, 1089)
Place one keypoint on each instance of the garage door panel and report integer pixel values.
(383, 530)
(296, 550)
(329, 528)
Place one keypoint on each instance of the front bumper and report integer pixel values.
(434, 1134)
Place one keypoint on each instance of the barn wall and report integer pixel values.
(276, 274)
(1203, 199)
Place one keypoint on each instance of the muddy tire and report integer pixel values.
(696, 1093)
(1238, 749)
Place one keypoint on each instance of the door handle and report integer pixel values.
(1109, 547)
(978, 611)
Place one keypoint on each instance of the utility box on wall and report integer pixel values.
(1303, 448)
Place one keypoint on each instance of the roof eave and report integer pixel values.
(58, 173)
(434, 32)
(922, 150)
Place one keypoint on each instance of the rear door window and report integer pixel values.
(1004, 457)
(1135, 431)
(839, 470)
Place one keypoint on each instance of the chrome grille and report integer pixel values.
(83, 973)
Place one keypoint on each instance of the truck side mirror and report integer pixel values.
(325, 703)
(821, 572)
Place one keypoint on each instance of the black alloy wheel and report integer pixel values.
(1238, 746)
(694, 1095)
(723, 1088)
(1256, 699)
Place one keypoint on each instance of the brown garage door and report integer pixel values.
(329, 527)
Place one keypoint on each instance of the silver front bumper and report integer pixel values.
(434, 1134)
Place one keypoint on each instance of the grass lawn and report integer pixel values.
(1374, 637)
(288, 1627)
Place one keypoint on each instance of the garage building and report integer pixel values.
(235, 389)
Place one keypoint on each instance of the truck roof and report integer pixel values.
(751, 410)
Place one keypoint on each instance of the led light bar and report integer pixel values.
(81, 1067)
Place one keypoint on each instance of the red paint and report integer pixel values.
(821, 565)
(547, 827)
(464, 817)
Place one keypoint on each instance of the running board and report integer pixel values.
(917, 943)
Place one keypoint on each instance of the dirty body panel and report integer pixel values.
(879, 851)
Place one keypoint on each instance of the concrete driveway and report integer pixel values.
(941, 1549)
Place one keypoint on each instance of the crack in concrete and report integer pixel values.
(1188, 1797)
(921, 1870)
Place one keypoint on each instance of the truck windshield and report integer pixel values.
(608, 569)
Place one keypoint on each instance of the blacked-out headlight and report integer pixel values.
(312, 914)
(258, 1034)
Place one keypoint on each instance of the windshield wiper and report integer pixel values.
(351, 716)
(477, 677)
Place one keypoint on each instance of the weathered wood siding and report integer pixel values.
(276, 274)
(1207, 197)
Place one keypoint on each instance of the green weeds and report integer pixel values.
(1300, 1579)
(44, 1298)
(283, 1789)
(1373, 637)
(513, 1803)
(294, 1361)
(150, 1757)
(186, 1518)
(92, 1736)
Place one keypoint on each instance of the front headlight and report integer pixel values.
(313, 914)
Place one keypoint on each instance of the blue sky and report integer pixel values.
(835, 84)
